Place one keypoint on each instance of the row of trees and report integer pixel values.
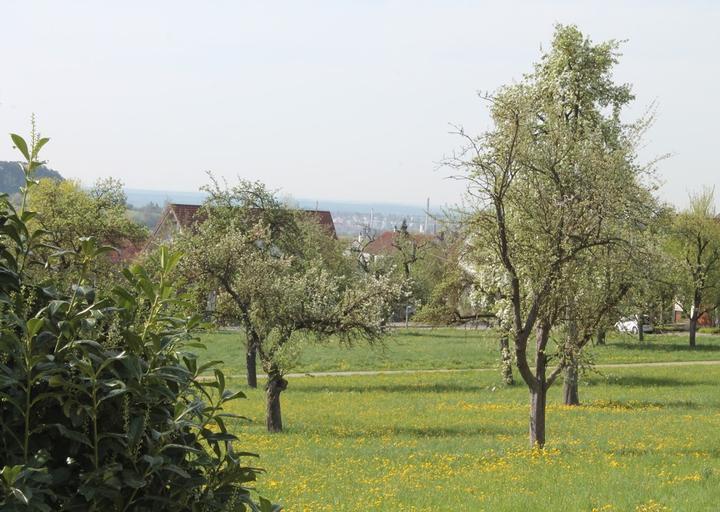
(561, 233)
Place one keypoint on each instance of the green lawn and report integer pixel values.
(647, 439)
(644, 440)
(453, 348)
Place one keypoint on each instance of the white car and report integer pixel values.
(630, 324)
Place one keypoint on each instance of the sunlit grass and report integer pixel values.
(644, 440)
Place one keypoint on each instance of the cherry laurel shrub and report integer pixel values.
(101, 407)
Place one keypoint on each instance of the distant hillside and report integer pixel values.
(11, 176)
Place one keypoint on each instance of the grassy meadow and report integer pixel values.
(418, 349)
(646, 439)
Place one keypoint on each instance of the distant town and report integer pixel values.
(350, 218)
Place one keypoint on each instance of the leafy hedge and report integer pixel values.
(100, 405)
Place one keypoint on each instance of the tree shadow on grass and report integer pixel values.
(434, 335)
(647, 382)
(714, 453)
(398, 388)
(426, 432)
(639, 405)
(662, 347)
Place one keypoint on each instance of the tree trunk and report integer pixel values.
(538, 390)
(251, 364)
(695, 316)
(600, 339)
(570, 384)
(641, 331)
(538, 398)
(506, 361)
(276, 385)
(570, 380)
(693, 329)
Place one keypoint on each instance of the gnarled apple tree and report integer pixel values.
(285, 280)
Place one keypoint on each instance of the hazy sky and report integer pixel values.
(327, 100)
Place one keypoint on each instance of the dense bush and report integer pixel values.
(100, 405)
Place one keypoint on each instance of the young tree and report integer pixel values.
(241, 230)
(358, 248)
(605, 280)
(554, 178)
(695, 245)
(409, 248)
(595, 285)
(271, 272)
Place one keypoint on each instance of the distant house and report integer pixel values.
(370, 249)
(680, 316)
(177, 218)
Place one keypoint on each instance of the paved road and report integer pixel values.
(448, 370)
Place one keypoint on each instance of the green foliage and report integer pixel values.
(278, 274)
(147, 215)
(416, 260)
(100, 405)
(67, 213)
(449, 286)
(555, 182)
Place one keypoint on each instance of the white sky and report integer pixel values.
(342, 100)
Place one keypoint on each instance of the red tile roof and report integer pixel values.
(383, 244)
(186, 214)
(324, 218)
